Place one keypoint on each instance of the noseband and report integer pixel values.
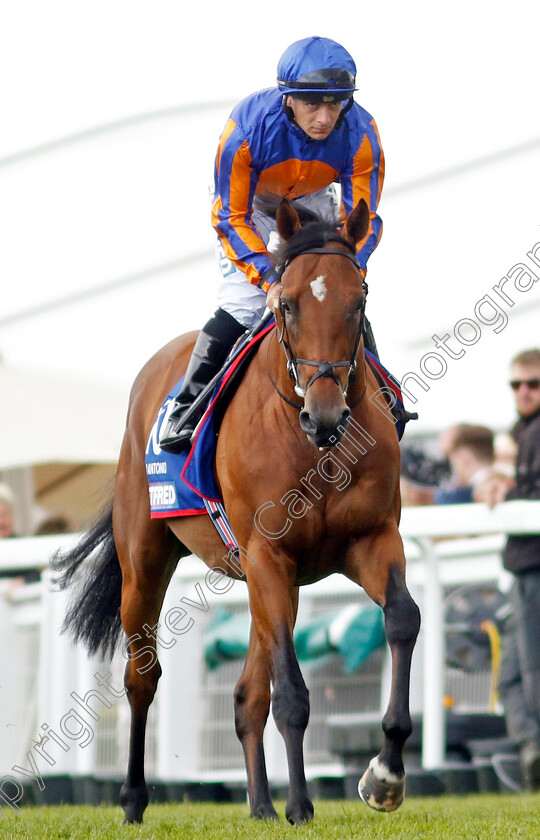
(325, 369)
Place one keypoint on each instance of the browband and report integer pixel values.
(336, 251)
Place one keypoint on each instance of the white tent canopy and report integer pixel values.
(105, 207)
(50, 417)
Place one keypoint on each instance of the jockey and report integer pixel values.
(294, 141)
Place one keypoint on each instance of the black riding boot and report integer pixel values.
(211, 349)
(369, 338)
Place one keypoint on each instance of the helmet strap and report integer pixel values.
(344, 112)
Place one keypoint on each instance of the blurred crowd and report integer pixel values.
(472, 463)
(475, 465)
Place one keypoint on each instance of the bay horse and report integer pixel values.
(305, 391)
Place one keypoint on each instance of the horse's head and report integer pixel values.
(320, 316)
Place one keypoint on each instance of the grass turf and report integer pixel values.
(497, 817)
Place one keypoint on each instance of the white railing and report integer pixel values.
(518, 517)
(444, 545)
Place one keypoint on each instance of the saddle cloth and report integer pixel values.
(183, 484)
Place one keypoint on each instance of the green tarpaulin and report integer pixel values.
(354, 632)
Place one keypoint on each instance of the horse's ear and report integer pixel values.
(357, 224)
(287, 220)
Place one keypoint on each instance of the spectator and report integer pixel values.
(52, 524)
(470, 452)
(494, 487)
(505, 453)
(520, 666)
(7, 522)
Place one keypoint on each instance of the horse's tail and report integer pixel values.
(93, 615)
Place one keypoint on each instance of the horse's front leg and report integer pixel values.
(273, 602)
(251, 707)
(378, 565)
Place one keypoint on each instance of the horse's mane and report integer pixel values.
(316, 232)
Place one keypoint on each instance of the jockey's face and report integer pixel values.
(317, 119)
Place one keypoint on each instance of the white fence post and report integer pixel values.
(58, 671)
(178, 698)
(433, 732)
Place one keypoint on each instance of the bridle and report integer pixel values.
(325, 369)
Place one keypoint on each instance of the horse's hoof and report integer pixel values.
(264, 812)
(299, 812)
(381, 789)
(134, 801)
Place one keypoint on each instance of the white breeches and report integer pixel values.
(239, 297)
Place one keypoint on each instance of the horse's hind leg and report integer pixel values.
(383, 784)
(147, 566)
(251, 706)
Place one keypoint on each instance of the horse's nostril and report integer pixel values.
(307, 423)
(328, 430)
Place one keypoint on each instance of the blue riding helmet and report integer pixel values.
(315, 68)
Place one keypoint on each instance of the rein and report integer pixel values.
(325, 369)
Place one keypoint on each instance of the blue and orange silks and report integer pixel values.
(262, 151)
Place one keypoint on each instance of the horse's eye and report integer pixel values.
(285, 305)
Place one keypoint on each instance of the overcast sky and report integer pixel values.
(454, 89)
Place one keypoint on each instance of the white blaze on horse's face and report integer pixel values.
(318, 288)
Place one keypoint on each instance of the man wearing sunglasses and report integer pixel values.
(525, 383)
(520, 666)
